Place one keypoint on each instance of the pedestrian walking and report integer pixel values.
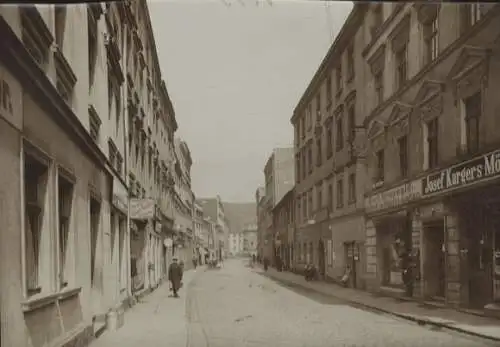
(195, 261)
(175, 277)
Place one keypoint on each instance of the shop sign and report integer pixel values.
(394, 197)
(463, 174)
(11, 94)
(120, 196)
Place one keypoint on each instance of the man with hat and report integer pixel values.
(175, 276)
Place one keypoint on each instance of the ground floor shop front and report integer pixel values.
(438, 244)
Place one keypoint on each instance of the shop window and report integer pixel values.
(392, 261)
(340, 193)
(403, 156)
(65, 206)
(432, 143)
(472, 121)
(35, 191)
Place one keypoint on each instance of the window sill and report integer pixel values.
(43, 300)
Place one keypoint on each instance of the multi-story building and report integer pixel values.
(284, 226)
(250, 237)
(86, 123)
(211, 232)
(433, 145)
(261, 230)
(279, 178)
(235, 243)
(330, 172)
(184, 245)
(214, 209)
(201, 233)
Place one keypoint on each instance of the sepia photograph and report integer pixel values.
(246, 173)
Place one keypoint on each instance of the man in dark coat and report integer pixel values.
(175, 276)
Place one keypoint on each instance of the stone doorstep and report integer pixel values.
(414, 318)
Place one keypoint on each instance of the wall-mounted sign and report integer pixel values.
(394, 197)
(11, 98)
(463, 174)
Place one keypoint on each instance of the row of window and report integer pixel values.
(305, 124)
(306, 206)
(431, 137)
(50, 228)
(429, 26)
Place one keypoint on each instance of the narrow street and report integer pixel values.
(236, 306)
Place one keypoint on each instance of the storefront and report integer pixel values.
(392, 238)
(470, 195)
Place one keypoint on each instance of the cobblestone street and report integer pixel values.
(236, 306)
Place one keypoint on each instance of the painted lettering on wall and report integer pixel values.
(394, 197)
(463, 174)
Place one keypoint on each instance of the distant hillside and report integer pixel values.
(240, 214)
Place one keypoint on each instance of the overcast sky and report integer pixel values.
(234, 74)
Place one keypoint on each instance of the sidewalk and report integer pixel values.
(156, 320)
(488, 328)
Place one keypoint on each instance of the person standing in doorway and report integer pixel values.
(175, 277)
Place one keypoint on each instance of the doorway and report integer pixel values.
(435, 264)
(321, 260)
(352, 262)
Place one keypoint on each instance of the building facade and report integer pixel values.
(185, 244)
(87, 139)
(235, 243)
(250, 239)
(279, 178)
(201, 233)
(330, 168)
(433, 151)
(284, 229)
(260, 194)
(213, 208)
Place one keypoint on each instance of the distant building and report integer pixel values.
(250, 239)
(214, 208)
(279, 177)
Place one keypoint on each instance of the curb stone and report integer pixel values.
(419, 321)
